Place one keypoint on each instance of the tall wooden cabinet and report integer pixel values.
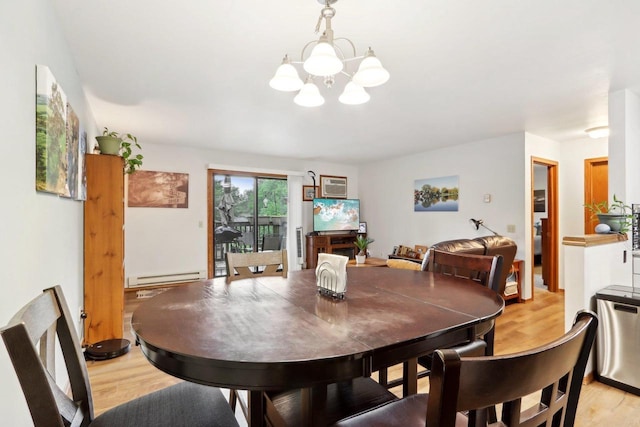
(104, 249)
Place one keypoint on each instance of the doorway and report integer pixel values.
(246, 213)
(544, 218)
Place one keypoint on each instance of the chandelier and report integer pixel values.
(326, 61)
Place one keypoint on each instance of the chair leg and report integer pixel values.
(233, 398)
(383, 378)
(492, 416)
(489, 338)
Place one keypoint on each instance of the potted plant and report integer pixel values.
(361, 243)
(617, 216)
(114, 143)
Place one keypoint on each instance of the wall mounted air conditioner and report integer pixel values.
(333, 186)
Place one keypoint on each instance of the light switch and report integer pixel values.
(511, 228)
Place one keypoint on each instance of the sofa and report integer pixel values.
(487, 245)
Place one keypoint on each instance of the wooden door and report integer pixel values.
(596, 188)
(104, 249)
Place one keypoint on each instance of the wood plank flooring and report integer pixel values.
(521, 326)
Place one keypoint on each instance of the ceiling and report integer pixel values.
(196, 72)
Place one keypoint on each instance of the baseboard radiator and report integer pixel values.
(165, 279)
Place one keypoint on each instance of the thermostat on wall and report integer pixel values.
(487, 198)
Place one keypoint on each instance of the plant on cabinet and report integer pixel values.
(114, 143)
(615, 217)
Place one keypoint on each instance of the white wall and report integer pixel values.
(624, 152)
(41, 234)
(570, 156)
(500, 167)
(624, 146)
(493, 166)
(571, 181)
(160, 240)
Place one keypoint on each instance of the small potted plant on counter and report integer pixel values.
(615, 217)
(114, 143)
(362, 243)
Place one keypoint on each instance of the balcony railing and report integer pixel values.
(242, 239)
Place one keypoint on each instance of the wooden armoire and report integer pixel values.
(104, 249)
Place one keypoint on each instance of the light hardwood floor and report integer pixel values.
(521, 326)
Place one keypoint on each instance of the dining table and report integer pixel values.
(275, 334)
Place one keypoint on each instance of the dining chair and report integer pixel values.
(271, 242)
(483, 269)
(248, 264)
(537, 387)
(30, 338)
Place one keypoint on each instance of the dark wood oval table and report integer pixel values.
(273, 333)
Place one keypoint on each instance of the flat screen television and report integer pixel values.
(336, 214)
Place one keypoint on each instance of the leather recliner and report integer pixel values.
(487, 245)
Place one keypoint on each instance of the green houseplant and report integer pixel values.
(362, 242)
(114, 143)
(617, 215)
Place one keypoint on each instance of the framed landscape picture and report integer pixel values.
(436, 194)
(51, 134)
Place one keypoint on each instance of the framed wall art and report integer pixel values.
(436, 194)
(51, 134)
(539, 201)
(150, 189)
(309, 192)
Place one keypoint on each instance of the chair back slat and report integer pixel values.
(30, 339)
(554, 371)
(485, 269)
(248, 264)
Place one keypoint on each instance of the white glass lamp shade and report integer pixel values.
(599, 132)
(370, 72)
(354, 95)
(286, 78)
(323, 61)
(309, 96)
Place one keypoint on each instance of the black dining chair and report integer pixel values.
(483, 269)
(538, 387)
(271, 242)
(30, 338)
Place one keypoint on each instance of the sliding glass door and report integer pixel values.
(248, 212)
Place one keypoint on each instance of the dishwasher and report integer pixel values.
(618, 339)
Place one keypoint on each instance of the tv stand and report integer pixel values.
(339, 244)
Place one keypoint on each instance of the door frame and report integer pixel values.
(211, 208)
(553, 219)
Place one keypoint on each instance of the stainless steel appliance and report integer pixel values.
(618, 340)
